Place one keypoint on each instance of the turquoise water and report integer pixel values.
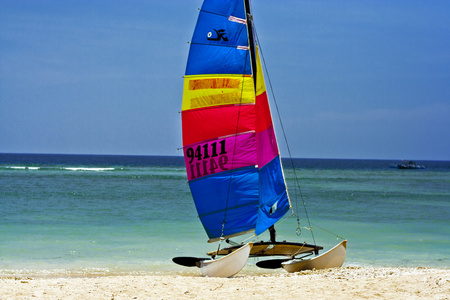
(119, 214)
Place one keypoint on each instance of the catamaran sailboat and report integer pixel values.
(231, 154)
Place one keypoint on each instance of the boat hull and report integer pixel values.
(333, 258)
(226, 266)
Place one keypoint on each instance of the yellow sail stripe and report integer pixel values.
(260, 85)
(212, 90)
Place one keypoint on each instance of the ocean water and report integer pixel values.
(90, 215)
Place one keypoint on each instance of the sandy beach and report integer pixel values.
(343, 283)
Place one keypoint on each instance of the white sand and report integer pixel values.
(343, 283)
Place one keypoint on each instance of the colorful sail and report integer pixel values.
(231, 154)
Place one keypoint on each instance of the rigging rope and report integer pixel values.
(332, 233)
(286, 141)
(298, 187)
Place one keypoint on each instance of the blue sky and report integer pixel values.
(352, 79)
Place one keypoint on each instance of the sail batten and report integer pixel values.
(229, 144)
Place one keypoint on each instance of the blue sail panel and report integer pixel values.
(220, 31)
(225, 7)
(227, 197)
(273, 201)
(204, 59)
(219, 44)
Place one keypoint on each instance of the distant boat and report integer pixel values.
(410, 165)
(232, 159)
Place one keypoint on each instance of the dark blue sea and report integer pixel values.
(94, 214)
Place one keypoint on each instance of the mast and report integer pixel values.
(251, 39)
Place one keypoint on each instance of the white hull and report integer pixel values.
(333, 258)
(226, 266)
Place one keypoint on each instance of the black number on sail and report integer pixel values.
(209, 164)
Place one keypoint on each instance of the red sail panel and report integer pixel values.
(264, 119)
(215, 122)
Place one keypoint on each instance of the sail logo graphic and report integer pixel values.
(220, 35)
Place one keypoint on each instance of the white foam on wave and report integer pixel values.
(90, 169)
(23, 168)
